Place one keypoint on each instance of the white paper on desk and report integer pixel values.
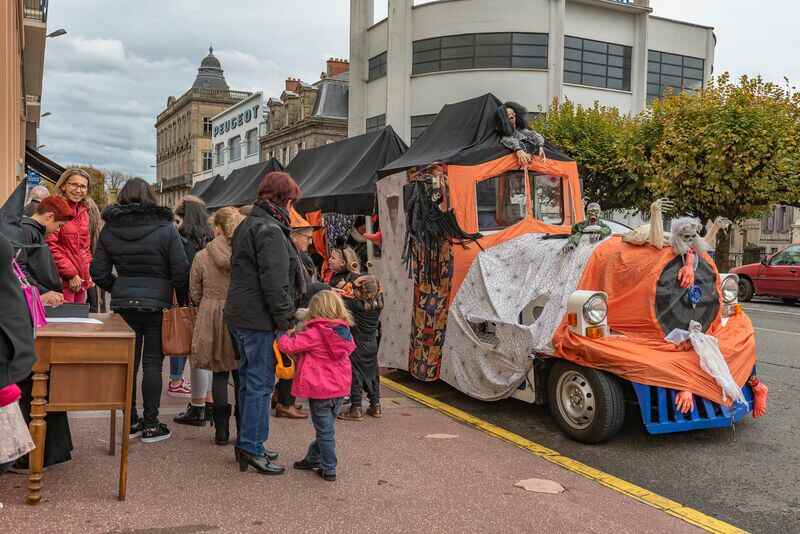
(77, 320)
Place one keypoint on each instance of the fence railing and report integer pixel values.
(726, 262)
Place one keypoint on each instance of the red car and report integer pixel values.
(776, 276)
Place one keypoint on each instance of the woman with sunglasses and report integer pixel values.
(72, 245)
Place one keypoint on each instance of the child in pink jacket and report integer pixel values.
(322, 349)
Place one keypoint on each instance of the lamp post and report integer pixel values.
(58, 33)
(45, 114)
(40, 147)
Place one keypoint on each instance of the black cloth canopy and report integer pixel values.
(340, 177)
(45, 167)
(238, 189)
(463, 133)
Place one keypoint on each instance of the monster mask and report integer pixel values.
(686, 236)
(593, 213)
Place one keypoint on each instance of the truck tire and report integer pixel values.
(587, 404)
(746, 290)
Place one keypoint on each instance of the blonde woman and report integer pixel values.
(71, 246)
(212, 348)
(345, 266)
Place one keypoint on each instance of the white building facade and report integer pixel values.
(404, 68)
(234, 137)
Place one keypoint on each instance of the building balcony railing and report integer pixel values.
(176, 182)
(36, 9)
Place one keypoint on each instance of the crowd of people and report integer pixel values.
(253, 277)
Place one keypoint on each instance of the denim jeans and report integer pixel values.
(176, 366)
(322, 450)
(256, 382)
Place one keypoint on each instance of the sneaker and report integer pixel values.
(155, 433)
(182, 389)
(135, 430)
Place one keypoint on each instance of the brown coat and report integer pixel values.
(209, 280)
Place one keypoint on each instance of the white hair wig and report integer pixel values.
(682, 228)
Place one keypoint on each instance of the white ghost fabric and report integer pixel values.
(502, 281)
(711, 359)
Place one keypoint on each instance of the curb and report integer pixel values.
(673, 508)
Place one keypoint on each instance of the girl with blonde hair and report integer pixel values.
(323, 374)
(212, 349)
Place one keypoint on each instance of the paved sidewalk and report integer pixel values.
(391, 479)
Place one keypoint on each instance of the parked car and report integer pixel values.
(776, 276)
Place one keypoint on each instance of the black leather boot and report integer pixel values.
(222, 416)
(262, 464)
(194, 416)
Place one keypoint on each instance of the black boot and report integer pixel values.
(222, 415)
(194, 416)
(210, 413)
(262, 464)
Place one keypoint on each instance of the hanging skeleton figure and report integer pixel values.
(596, 229)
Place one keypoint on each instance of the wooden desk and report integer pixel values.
(81, 367)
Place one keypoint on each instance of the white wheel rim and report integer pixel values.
(575, 399)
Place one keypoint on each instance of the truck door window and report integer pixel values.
(548, 198)
(501, 201)
(790, 256)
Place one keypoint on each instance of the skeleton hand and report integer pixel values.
(684, 401)
(664, 205)
(723, 223)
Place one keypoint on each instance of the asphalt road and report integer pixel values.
(748, 476)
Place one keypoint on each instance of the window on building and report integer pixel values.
(672, 74)
(376, 123)
(420, 123)
(480, 51)
(219, 154)
(285, 156)
(206, 160)
(252, 141)
(597, 64)
(235, 148)
(377, 67)
(207, 126)
(548, 198)
(501, 201)
(299, 148)
(271, 154)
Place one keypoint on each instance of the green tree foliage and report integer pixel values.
(730, 150)
(599, 139)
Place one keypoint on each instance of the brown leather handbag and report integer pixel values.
(177, 328)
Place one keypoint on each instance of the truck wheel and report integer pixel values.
(745, 290)
(587, 404)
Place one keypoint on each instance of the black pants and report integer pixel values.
(147, 326)
(219, 387)
(364, 362)
(283, 393)
(58, 439)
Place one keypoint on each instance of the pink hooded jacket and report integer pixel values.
(322, 351)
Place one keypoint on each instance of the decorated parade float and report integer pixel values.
(498, 283)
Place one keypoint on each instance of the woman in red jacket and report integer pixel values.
(72, 245)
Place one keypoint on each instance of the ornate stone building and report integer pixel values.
(307, 116)
(183, 130)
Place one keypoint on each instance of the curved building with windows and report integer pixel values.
(405, 67)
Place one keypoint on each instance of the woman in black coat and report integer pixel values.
(16, 329)
(140, 240)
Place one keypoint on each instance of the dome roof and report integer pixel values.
(210, 74)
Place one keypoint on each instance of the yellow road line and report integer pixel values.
(647, 497)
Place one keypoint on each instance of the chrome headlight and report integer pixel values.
(595, 309)
(730, 289)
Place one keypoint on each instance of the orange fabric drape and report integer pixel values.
(462, 180)
(629, 274)
(315, 218)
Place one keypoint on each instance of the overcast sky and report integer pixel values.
(108, 78)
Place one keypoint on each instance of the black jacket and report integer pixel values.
(16, 329)
(367, 323)
(262, 293)
(142, 243)
(35, 258)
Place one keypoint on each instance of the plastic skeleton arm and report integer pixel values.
(657, 208)
(713, 228)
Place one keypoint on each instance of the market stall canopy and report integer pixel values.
(202, 186)
(240, 188)
(463, 133)
(45, 167)
(340, 177)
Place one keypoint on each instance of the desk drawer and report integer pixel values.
(87, 387)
